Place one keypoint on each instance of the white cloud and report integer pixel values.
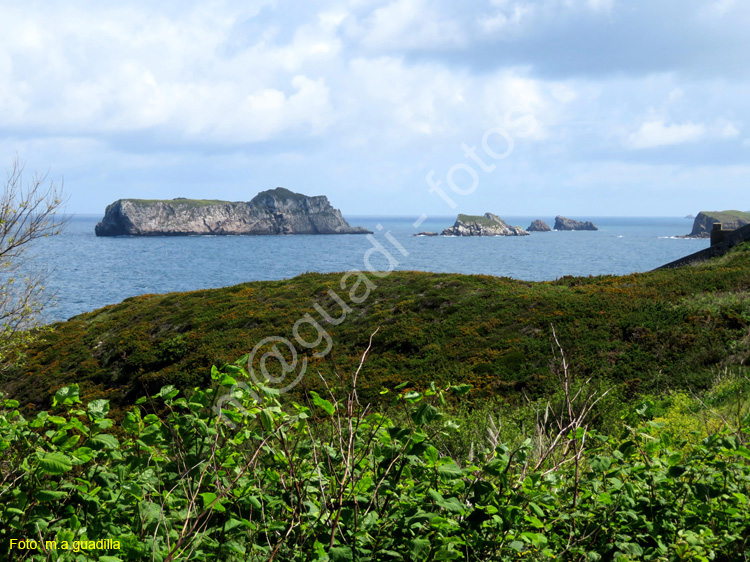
(656, 133)
(402, 99)
(507, 18)
(601, 5)
(410, 24)
(108, 70)
(724, 129)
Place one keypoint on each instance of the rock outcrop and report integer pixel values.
(426, 233)
(730, 220)
(486, 225)
(276, 211)
(539, 226)
(563, 223)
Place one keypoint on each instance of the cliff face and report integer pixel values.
(276, 211)
(486, 225)
(564, 223)
(730, 220)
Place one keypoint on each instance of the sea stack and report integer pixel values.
(564, 223)
(275, 211)
(539, 226)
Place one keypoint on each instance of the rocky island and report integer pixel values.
(485, 225)
(275, 211)
(564, 223)
(730, 220)
(539, 226)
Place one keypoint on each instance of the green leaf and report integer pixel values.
(327, 406)
(49, 495)
(99, 409)
(131, 423)
(208, 498)
(209, 501)
(83, 454)
(450, 470)
(536, 509)
(103, 441)
(461, 389)
(341, 554)
(226, 380)
(266, 420)
(133, 489)
(424, 414)
(419, 548)
(431, 454)
(66, 396)
(534, 522)
(55, 463)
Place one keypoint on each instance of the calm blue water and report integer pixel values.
(86, 272)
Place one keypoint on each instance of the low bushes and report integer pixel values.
(229, 473)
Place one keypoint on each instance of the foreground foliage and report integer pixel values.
(227, 473)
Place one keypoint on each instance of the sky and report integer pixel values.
(391, 107)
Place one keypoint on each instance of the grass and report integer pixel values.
(478, 219)
(179, 202)
(280, 193)
(727, 216)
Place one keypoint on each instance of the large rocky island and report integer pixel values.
(730, 220)
(275, 211)
(486, 225)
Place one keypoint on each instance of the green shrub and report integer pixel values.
(230, 473)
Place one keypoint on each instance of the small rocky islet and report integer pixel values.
(484, 225)
(490, 224)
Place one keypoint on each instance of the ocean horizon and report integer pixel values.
(86, 272)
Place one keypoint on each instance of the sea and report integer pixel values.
(85, 272)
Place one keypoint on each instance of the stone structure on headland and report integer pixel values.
(275, 211)
(539, 226)
(721, 242)
(484, 225)
(564, 223)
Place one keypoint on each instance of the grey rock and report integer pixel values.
(485, 225)
(276, 211)
(564, 223)
(426, 234)
(539, 226)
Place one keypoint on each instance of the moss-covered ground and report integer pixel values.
(642, 333)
